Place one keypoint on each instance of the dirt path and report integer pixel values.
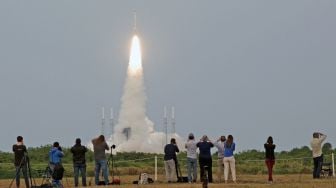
(253, 181)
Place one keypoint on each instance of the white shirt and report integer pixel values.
(191, 149)
(316, 145)
(220, 147)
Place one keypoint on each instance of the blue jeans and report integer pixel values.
(192, 169)
(101, 164)
(82, 169)
(317, 166)
(25, 175)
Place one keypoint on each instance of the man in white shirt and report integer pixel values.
(219, 144)
(191, 158)
(316, 145)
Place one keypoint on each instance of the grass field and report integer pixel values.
(253, 181)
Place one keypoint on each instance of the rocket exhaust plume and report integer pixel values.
(134, 131)
(135, 62)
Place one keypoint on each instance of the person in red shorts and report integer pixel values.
(269, 158)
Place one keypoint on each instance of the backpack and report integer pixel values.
(58, 172)
(144, 179)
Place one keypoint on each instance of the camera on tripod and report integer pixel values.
(115, 181)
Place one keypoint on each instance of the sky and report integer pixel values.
(252, 69)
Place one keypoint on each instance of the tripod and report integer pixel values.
(24, 166)
(111, 161)
(46, 181)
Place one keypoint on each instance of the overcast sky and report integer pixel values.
(246, 68)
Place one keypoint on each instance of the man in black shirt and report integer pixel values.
(20, 161)
(170, 160)
(205, 158)
(79, 164)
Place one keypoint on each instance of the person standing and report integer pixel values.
(316, 145)
(191, 158)
(205, 158)
(99, 147)
(219, 144)
(269, 158)
(20, 161)
(170, 160)
(55, 162)
(79, 163)
(229, 160)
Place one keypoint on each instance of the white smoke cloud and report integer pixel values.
(134, 130)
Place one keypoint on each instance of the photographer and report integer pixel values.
(229, 159)
(99, 147)
(55, 163)
(191, 158)
(219, 144)
(79, 163)
(20, 161)
(269, 157)
(170, 160)
(205, 159)
(316, 145)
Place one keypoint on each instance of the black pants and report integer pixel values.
(177, 168)
(205, 162)
(317, 166)
(24, 170)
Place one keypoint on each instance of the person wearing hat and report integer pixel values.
(205, 159)
(55, 163)
(79, 163)
(191, 158)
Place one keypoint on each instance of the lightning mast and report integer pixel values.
(173, 122)
(165, 123)
(103, 121)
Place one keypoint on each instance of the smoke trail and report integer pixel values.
(134, 131)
